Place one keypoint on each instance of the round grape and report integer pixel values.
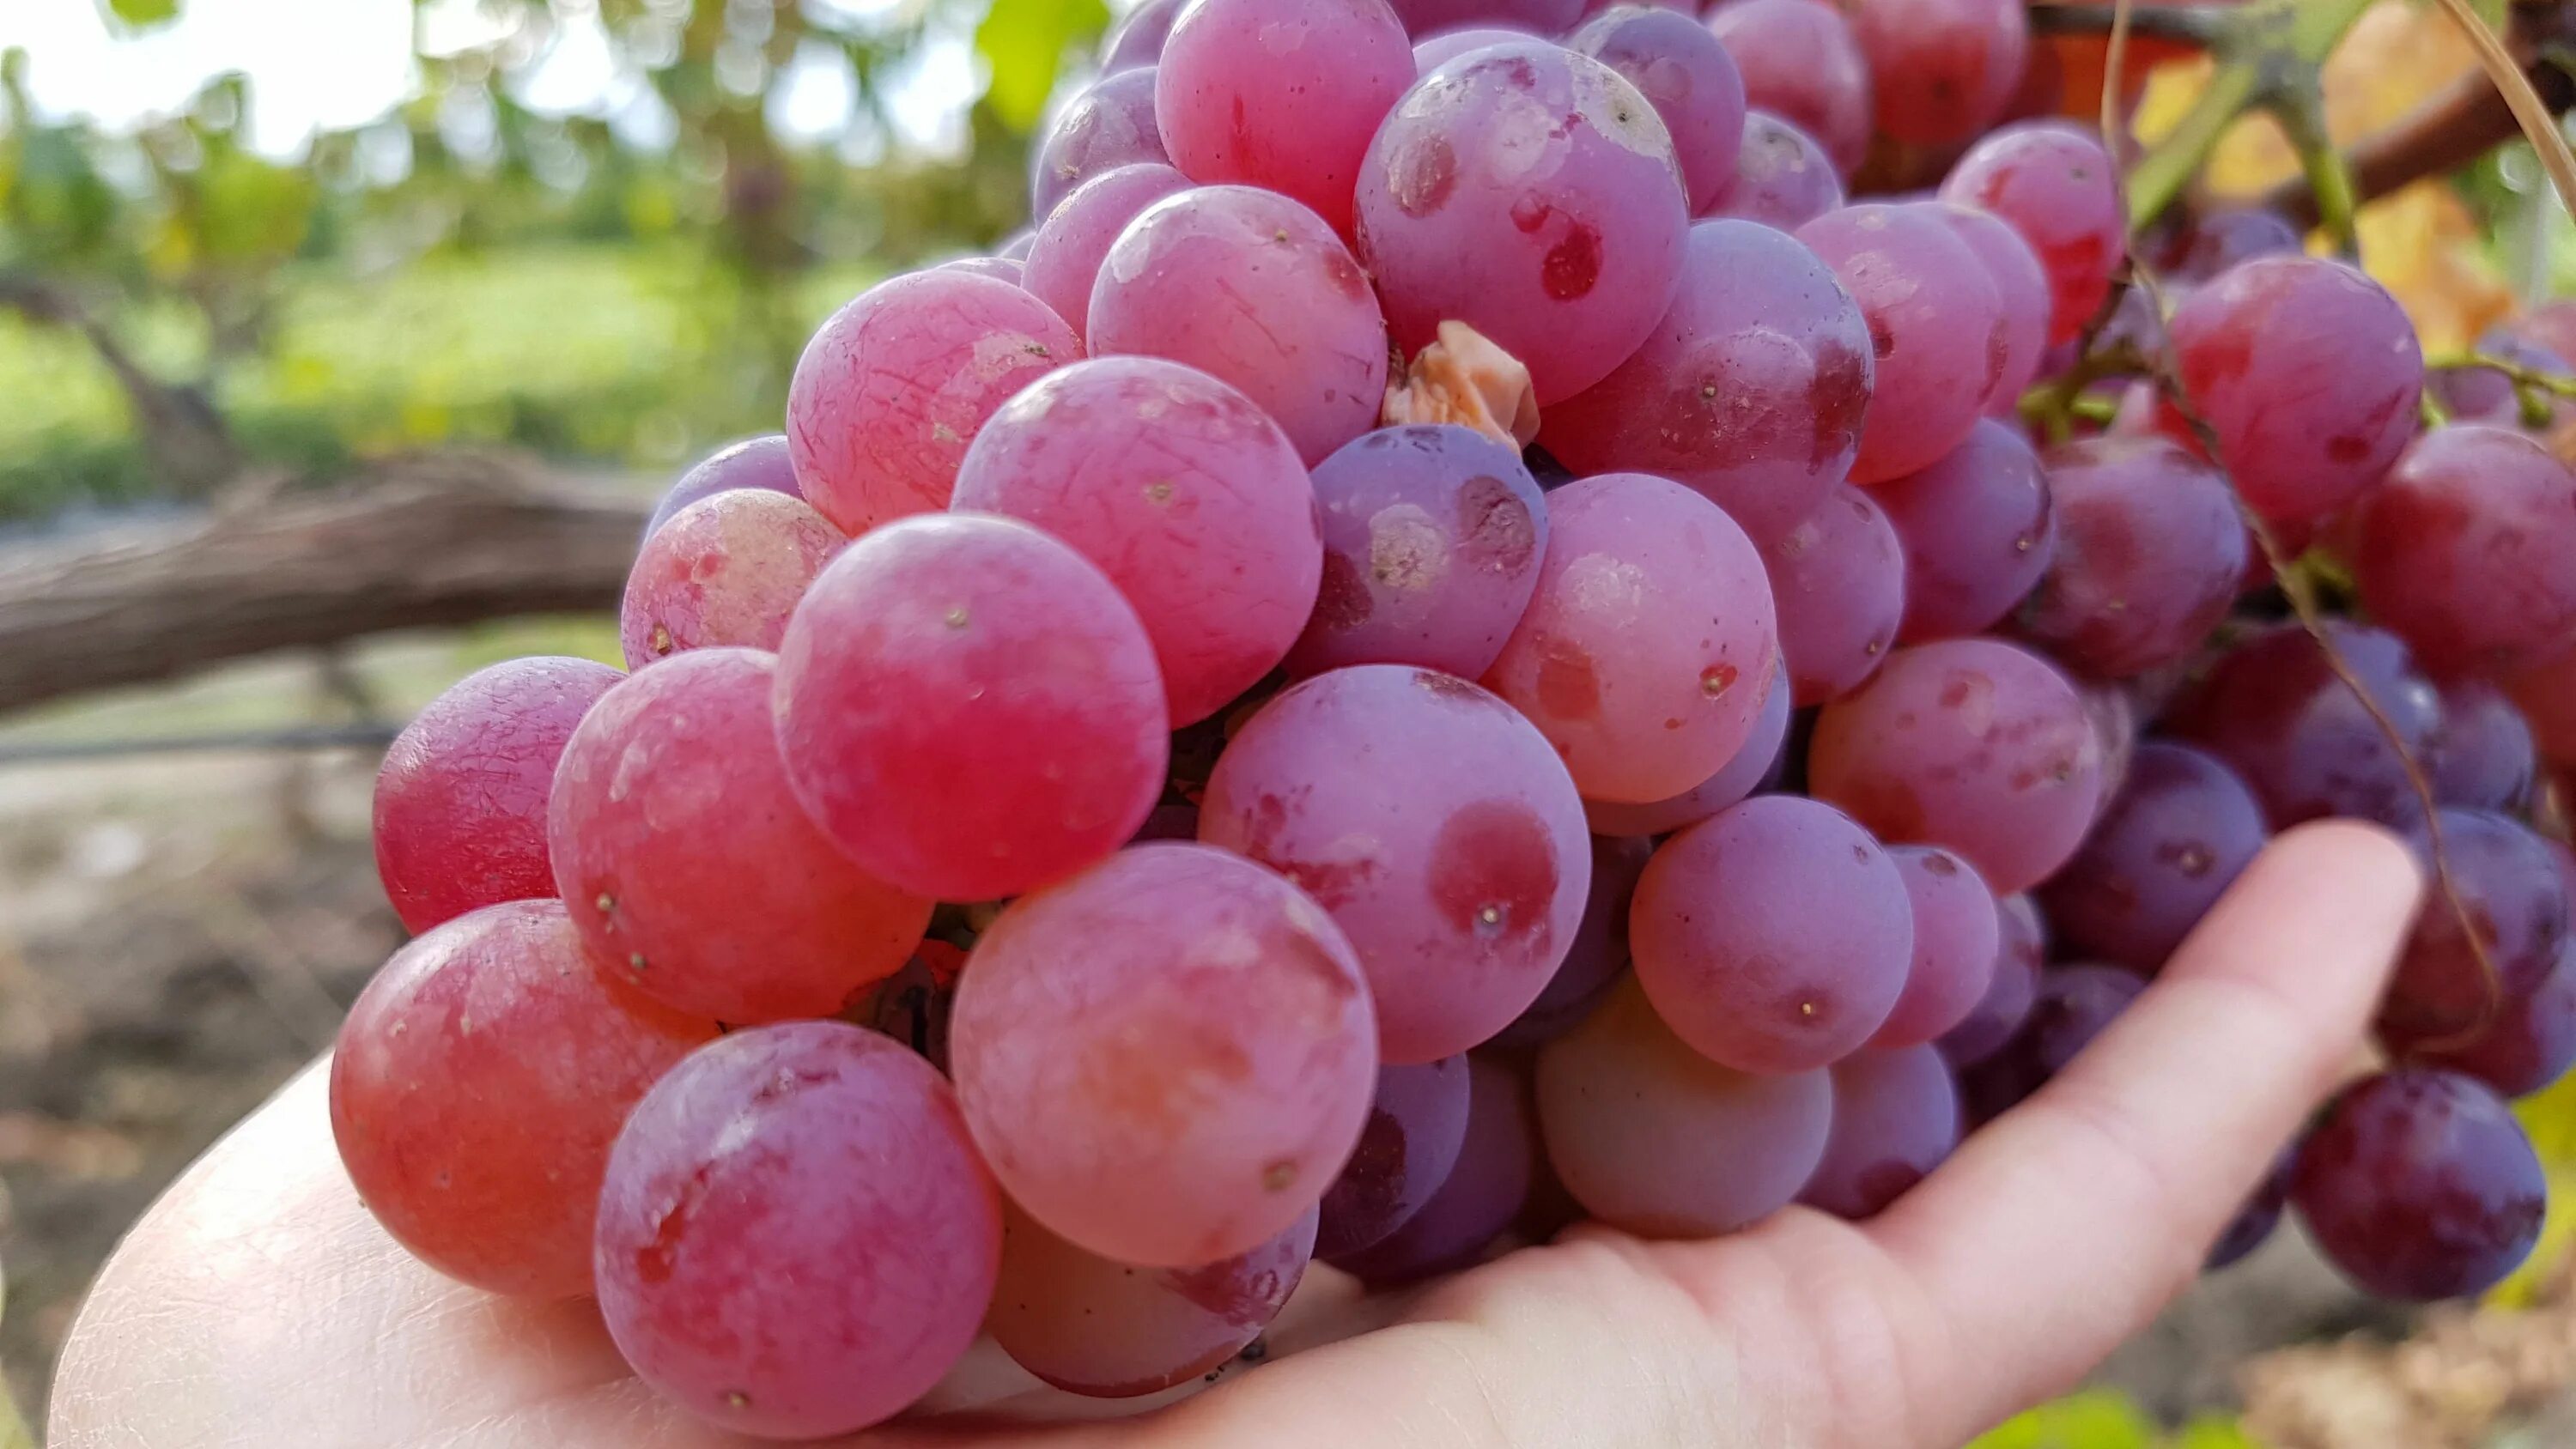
(2509, 884)
(2149, 554)
(2021, 293)
(2272, 708)
(1064, 260)
(1896, 1117)
(2467, 550)
(1936, 328)
(1600, 949)
(1800, 62)
(2420, 1185)
(1839, 583)
(1110, 124)
(1737, 779)
(726, 570)
(1958, 936)
(763, 462)
(2010, 992)
(1679, 66)
(1782, 177)
(1496, 1169)
(1978, 530)
(1943, 70)
(2530, 1043)
(2056, 186)
(2481, 754)
(2180, 830)
(1282, 94)
(1138, 37)
(1415, 1128)
(2073, 1005)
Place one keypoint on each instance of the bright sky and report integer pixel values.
(332, 64)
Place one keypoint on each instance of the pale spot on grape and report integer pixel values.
(737, 1400)
(606, 903)
(1158, 493)
(661, 641)
(635, 962)
(957, 617)
(1279, 1176)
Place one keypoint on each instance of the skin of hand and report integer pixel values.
(258, 1305)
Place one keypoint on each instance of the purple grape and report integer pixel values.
(1416, 1127)
(2484, 395)
(2056, 186)
(2021, 290)
(1896, 1117)
(2208, 245)
(1978, 532)
(2254, 1222)
(1436, 50)
(1600, 949)
(1686, 73)
(1137, 39)
(2074, 1005)
(2150, 550)
(2464, 550)
(2180, 830)
(2510, 885)
(1998, 1015)
(1064, 260)
(1936, 327)
(2420, 1185)
(1735, 780)
(1001, 269)
(1839, 580)
(1497, 1162)
(2529, 1044)
(1782, 177)
(1958, 936)
(2481, 756)
(2272, 708)
(1109, 125)
(761, 462)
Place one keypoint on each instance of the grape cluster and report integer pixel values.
(1456, 641)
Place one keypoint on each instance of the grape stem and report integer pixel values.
(2532, 388)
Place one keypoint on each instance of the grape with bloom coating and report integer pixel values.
(1600, 949)
(1441, 47)
(1681, 67)
(2419, 1184)
(2467, 551)
(1936, 328)
(476, 1086)
(1137, 39)
(726, 570)
(1434, 823)
(1167, 1058)
(1783, 178)
(2528, 1045)
(1838, 581)
(1896, 1117)
(1738, 778)
(1800, 62)
(1978, 530)
(1999, 1014)
(1065, 257)
(1497, 1165)
(1282, 94)
(1536, 17)
(2274, 710)
(765, 1154)
(762, 462)
(1530, 193)
(1109, 124)
(1650, 644)
(2180, 830)
(1958, 936)
(460, 806)
(1942, 70)
(2056, 186)
(2021, 294)
(2209, 244)
(2481, 755)
(2150, 550)
(894, 386)
(970, 708)
(1415, 1128)
(2510, 885)
(1182, 492)
(2074, 1004)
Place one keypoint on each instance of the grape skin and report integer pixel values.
(1681, 67)
(2178, 833)
(1943, 70)
(762, 462)
(2481, 755)
(2074, 1005)
(1110, 124)
(1600, 948)
(2150, 550)
(2272, 710)
(2022, 294)
(1800, 62)
(1416, 1126)
(1979, 530)
(1138, 37)
(1441, 47)
(1073, 241)
(1167, 1058)
(2420, 1185)
(2056, 186)
(1496, 1169)
(1782, 178)
(1958, 937)
(1839, 583)
(763, 1155)
(725, 570)
(2010, 994)
(2510, 885)
(1936, 327)
(1737, 779)
(1537, 17)
(2254, 1222)
(476, 1086)
(1895, 1119)
(2467, 550)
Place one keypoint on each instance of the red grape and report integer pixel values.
(2168, 845)
(1782, 177)
(2419, 1184)
(1110, 124)
(1137, 39)
(1736, 779)
(2022, 294)
(2150, 550)
(2272, 708)
(2528, 1045)
(1064, 259)
(2511, 887)
(2074, 1005)
(1839, 583)
(1800, 62)
(1600, 948)
(1896, 1117)
(1497, 1164)
(2010, 993)
(2481, 754)
(725, 570)
(1936, 327)
(1415, 1128)
(2056, 185)
(1978, 532)
(1441, 47)
(2209, 244)
(1538, 17)
(2467, 550)
(1943, 69)
(1958, 936)
(1679, 66)
(763, 462)
(2254, 1222)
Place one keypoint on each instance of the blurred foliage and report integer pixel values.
(2100, 1419)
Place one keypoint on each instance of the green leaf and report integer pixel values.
(141, 14)
(1024, 42)
(2093, 1420)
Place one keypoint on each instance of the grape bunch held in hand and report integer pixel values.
(1466, 646)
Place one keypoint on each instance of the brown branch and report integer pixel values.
(186, 437)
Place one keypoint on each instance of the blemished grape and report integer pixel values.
(1064, 260)
(1650, 644)
(1282, 94)
(1600, 949)
(1942, 70)
(894, 386)
(969, 707)
(2481, 755)
(2073, 1005)
(1655, 1139)
(1432, 541)
(2509, 884)
(2010, 993)
(1496, 1168)
(1735, 780)
(2309, 373)
(2178, 833)
(1109, 125)
(2419, 1184)
(688, 867)
(1774, 936)
(1436, 50)
(1299, 331)
(725, 570)
(1561, 244)
(1537, 17)
(762, 462)
(1974, 744)
(1434, 823)
(1978, 529)
(1100, 1328)
(1137, 39)
(763, 1156)
(1415, 1128)
(2467, 551)
(2114, 712)
(1184, 493)
(1682, 69)
(2253, 1224)
(1896, 1117)
(2022, 294)
(477, 1084)
(1800, 62)
(1838, 581)
(2272, 709)
(1750, 391)
(1782, 178)
(1958, 935)
(2056, 186)
(2208, 245)
(460, 807)
(2150, 550)
(1936, 328)
(1167, 1058)
(2528, 1045)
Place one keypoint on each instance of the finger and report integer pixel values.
(2060, 1230)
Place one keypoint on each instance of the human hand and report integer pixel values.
(258, 1304)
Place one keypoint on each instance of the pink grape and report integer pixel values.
(1943, 70)
(2528, 1045)
(1436, 825)
(1979, 531)
(763, 462)
(2014, 987)
(1600, 949)
(892, 389)
(2309, 373)
(1015, 247)
(1183, 493)
(2487, 395)
(1100, 1328)
(1064, 259)
(1936, 327)
(1416, 1126)
(2150, 550)
(2481, 755)
(2419, 1184)
(460, 806)
(1560, 244)
(1110, 124)
(2210, 244)
(1442, 47)
(1740, 955)
(475, 1089)
(1282, 94)
(1538, 17)
(1432, 542)
(2467, 551)
(2273, 710)
(765, 1154)
(1000, 269)
(1299, 334)
(726, 570)
(1682, 69)
(2511, 887)
(1655, 1139)
(1497, 1165)
(2021, 292)
(1650, 644)
(1839, 583)
(1958, 934)
(1896, 1118)
(1752, 390)
(1969, 743)
(1782, 177)
(1167, 1058)
(2056, 185)
(968, 706)
(686, 864)
(1735, 780)
(1801, 62)
(2180, 830)
(1138, 37)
